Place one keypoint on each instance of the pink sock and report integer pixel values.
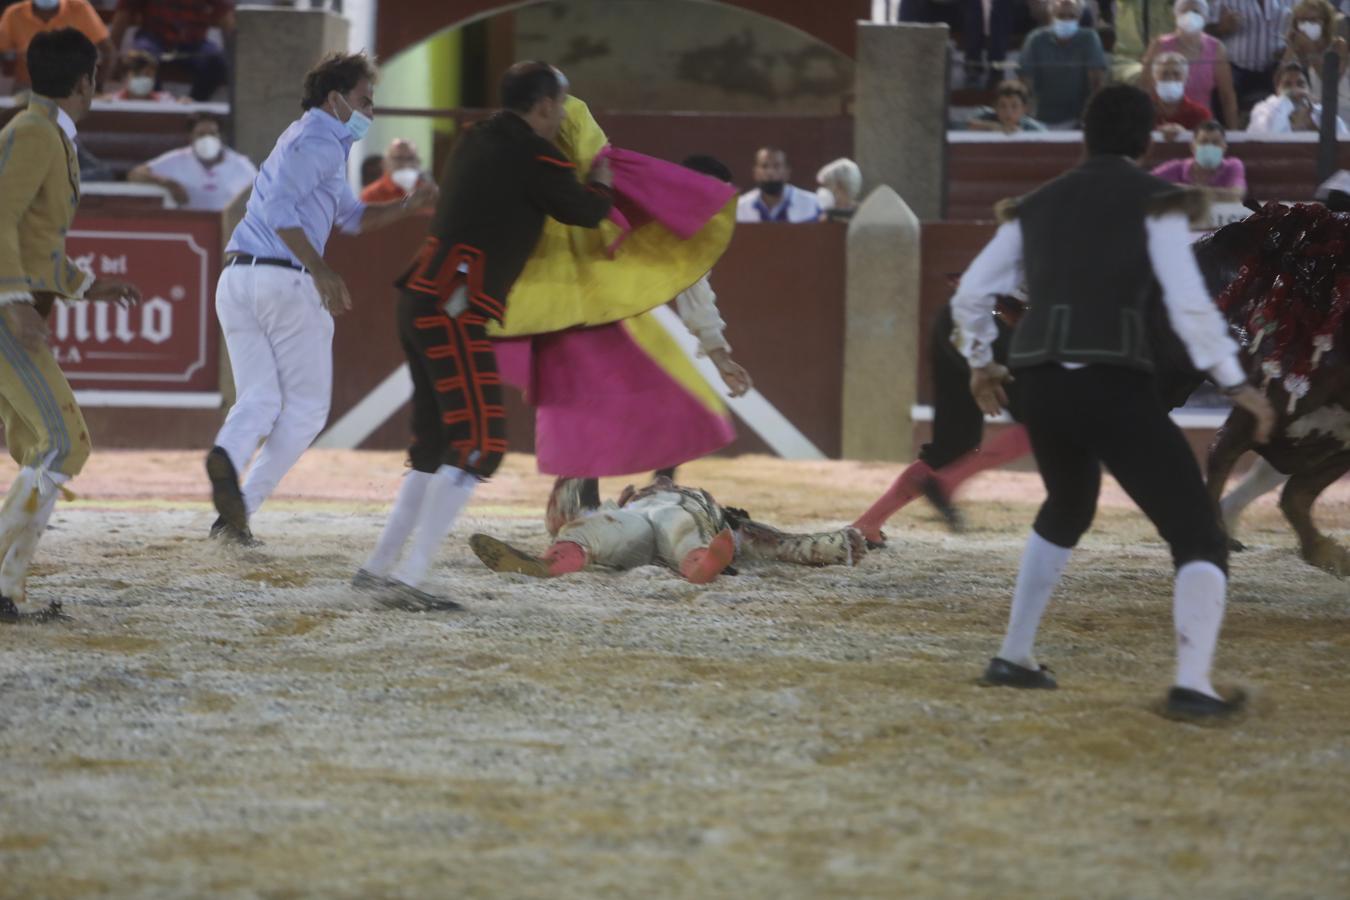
(564, 557)
(904, 489)
(1010, 444)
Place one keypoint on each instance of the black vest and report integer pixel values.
(1090, 285)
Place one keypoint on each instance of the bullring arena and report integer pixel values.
(241, 723)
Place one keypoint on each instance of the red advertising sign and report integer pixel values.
(170, 342)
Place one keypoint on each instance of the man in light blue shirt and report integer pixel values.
(276, 297)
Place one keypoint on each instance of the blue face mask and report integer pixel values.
(1065, 28)
(358, 124)
(1208, 156)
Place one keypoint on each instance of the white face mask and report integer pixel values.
(1311, 30)
(1064, 28)
(1170, 91)
(207, 147)
(406, 179)
(141, 85)
(1190, 22)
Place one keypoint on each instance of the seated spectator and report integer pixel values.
(1223, 177)
(402, 173)
(1312, 32)
(1063, 64)
(92, 169)
(22, 21)
(1176, 111)
(1009, 113)
(142, 72)
(1252, 32)
(773, 199)
(179, 27)
(1291, 107)
(372, 167)
(840, 184)
(1207, 68)
(204, 175)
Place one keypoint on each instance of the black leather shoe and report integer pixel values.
(224, 531)
(942, 502)
(396, 595)
(10, 614)
(1187, 705)
(225, 493)
(1002, 673)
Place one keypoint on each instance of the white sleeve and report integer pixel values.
(1191, 310)
(997, 270)
(1271, 115)
(697, 309)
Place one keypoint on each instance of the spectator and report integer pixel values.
(1335, 192)
(22, 21)
(1009, 112)
(372, 167)
(1176, 111)
(773, 199)
(402, 173)
(1064, 64)
(1207, 66)
(179, 27)
(1312, 32)
(141, 75)
(840, 185)
(1291, 107)
(1223, 177)
(92, 168)
(1253, 33)
(204, 175)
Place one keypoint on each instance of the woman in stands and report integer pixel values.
(1209, 67)
(1209, 167)
(1314, 28)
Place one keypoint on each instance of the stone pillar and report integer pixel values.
(900, 112)
(881, 329)
(274, 48)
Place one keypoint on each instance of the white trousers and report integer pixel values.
(280, 341)
(656, 528)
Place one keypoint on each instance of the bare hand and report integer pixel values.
(1171, 130)
(106, 290)
(733, 374)
(986, 386)
(23, 320)
(601, 173)
(1230, 20)
(1256, 403)
(332, 291)
(424, 195)
(176, 190)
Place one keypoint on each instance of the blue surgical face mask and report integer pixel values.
(359, 123)
(1065, 28)
(1208, 156)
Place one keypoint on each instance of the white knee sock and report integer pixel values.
(1260, 478)
(42, 489)
(1197, 611)
(446, 495)
(402, 520)
(21, 503)
(1042, 564)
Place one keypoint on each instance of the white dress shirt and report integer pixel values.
(1191, 310)
(795, 206)
(1271, 116)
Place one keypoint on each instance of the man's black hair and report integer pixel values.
(708, 165)
(57, 60)
(195, 119)
(336, 72)
(1119, 121)
(1291, 65)
(372, 167)
(526, 83)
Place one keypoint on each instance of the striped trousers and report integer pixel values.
(43, 424)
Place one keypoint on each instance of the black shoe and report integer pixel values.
(368, 581)
(10, 614)
(225, 493)
(397, 595)
(224, 531)
(1186, 705)
(942, 502)
(1002, 673)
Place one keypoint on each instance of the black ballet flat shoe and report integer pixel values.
(942, 502)
(226, 496)
(1236, 546)
(224, 531)
(11, 615)
(395, 594)
(1186, 705)
(1002, 673)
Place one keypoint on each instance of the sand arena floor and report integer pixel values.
(242, 724)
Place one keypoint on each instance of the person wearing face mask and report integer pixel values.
(1312, 32)
(773, 199)
(204, 175)
(22, 21)
(1291, 108)
(1253, 34)
(39, 192)
(1222, 177)
(1176, 111)
(276, 296)
(401, 176)
(1207, 68)
(1063, 64)
(142, 73)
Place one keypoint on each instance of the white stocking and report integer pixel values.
(402, 520)
(446, 495)
(1197, 610)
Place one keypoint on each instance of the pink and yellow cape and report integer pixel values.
(613, 392)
